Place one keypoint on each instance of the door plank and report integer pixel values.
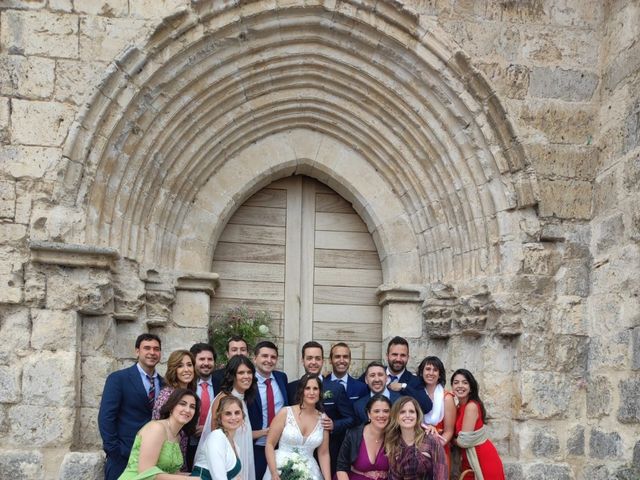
(253, 234)
(241, 289)
(341, 222)
(274, 217)
(259, 272)
(347, 259)
(249, 253)
(345, 240)
(332, 203)
(356, 277)
(347, 332)
(268, 197)
(345, 295)
(350, 314)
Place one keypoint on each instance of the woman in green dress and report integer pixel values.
(156, 450)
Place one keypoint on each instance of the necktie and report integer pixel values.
(271, 403)
(152, 390)
(343, 382)
(205, 402)
(393, 378)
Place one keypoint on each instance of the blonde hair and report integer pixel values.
(392, 433)
(171, 377)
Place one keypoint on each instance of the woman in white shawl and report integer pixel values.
(240, 381)
(441, 419)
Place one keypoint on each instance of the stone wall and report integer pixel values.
(547, 313)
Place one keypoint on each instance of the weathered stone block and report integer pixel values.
(179, 338)
(5, 115)
(107, 8)
(575, 441)
(94, 373)
(22, 464)
(607, 232)
(631, 174)
(75, 80)
(559, 122)
(26, 77)
(513, 471)
(599, 397)
(544, 395)
(40, 123)
(558, 46)
(569, 316)
(605, 445)
(10, 384)
(50, 390)
(89, 433)
(103, 38)
(629, 411)
(88, 291)
(7, 199)
(511, 81)
(545, 444)
(547, 471)
(40, 33)
(153, 9)
(82, 465)
(564, 161)
(635, 349)
(605, 192)
(23, 162)
(61, 5)
(41, 426)
(565, 199)
(624, 64)
(12, 233)
(15, 331)
(632, 128)
(568, 85)
(573, 278)
(191, 309)
(596, 472)
(55, 330)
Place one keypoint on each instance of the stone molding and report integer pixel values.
(206, 282)
(400, 294)
(72, 255)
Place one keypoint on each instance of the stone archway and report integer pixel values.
(363, 96)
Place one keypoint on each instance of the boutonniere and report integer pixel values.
(328, 394)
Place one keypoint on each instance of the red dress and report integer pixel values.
(488, 457)
(440, 428)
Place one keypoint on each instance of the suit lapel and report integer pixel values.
(138, 386)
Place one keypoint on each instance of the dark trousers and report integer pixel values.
(260, 461)
(114, 467)
(191, 453)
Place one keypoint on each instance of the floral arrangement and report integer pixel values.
(252, 325)
(295, 468)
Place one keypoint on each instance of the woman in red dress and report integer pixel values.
(478, 453)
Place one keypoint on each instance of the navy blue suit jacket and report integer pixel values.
(255, 407)
(355, 388)
(124, 409)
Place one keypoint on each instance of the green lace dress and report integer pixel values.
(169, 461)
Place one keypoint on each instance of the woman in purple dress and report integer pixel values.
(413, 455)
(362, 455)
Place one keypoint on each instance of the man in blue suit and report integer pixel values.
(127, 401)
(375, 376)
(340, 358)
(337, 407)
(272, 396)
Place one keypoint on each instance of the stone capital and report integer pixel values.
(206, 282)
(73, 255)
(400, 294)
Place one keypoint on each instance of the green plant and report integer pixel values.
(252, 325)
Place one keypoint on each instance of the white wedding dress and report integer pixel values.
(292, 441)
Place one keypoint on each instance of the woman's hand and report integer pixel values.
(429, 429)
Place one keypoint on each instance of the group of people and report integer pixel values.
(246, 421)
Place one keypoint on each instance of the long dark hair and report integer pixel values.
(229, 377)
(474, 389)
(172, 402)
(434, 362)
(302, 383)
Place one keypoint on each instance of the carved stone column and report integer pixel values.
(401, 311)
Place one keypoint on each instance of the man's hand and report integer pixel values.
(327, 423)
(395, 386)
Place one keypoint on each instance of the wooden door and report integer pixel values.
(299, 250)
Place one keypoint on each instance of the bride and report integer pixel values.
(298, 429)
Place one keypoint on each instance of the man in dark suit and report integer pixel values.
(340, 358)
(127, 401)
(236, 345)
(375, 377)
(337, 407)
(271, 398)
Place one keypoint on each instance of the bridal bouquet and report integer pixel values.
(295, 468)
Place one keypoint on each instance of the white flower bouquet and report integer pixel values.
(295, 468)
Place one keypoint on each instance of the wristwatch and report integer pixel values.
(403, 385)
